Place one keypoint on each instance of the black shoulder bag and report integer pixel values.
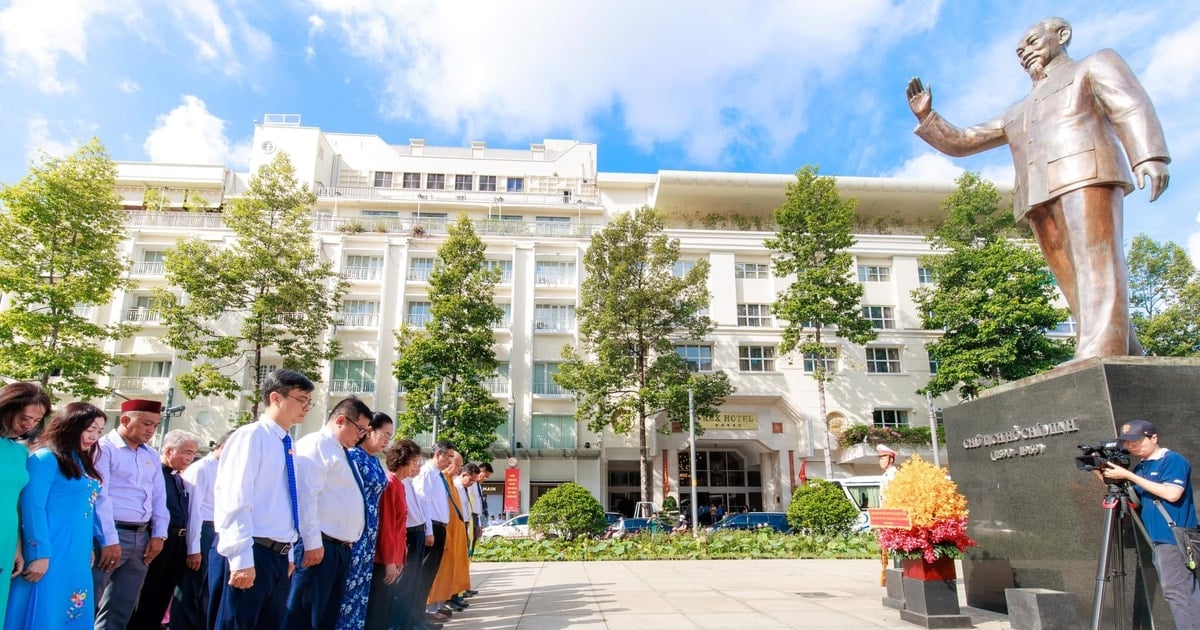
(1188, 538)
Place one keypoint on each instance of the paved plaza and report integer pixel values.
(758, 594)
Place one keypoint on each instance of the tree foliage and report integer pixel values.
(568, 511)
(993, 297)
(1164, 295)
(60, 232)
(820, 507)
(632, 313)
(267, 290)
(455, 350)
(812, 244)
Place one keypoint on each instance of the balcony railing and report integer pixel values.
(461, 196)
(418, 321)
(142, 383)
(148, 269)
(142, 315)
(554, 325)
(178, 220)
(360, 319)
(497, 385)
(549, 389)
(347, 386)
(555, 278)
(362, 273)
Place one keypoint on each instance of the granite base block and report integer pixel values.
(895, 589)
(932, 604)
(1043, 609)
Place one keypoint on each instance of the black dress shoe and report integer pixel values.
(433, 625)
(460, 602)
(471, 593)
(446, 610)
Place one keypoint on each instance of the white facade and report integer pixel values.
(381, 216)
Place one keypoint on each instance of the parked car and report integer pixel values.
(611, 518)
(630, 526)
(515, 527)
(864, 492)
(755, 520)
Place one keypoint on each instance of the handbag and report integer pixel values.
(1187, 538)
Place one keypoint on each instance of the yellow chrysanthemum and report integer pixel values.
(923, 491)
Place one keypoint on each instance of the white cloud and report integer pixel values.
(41, 139)
(1173, 71)
(1193, 244)
(930, 167)
(129, 86)
(38, 34)
(190, 134)
(705, 80)
(316, 26)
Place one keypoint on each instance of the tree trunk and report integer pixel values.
(644, 464)
(825, 429)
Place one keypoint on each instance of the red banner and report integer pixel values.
(512, 490)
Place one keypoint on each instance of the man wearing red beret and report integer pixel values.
(131, 512)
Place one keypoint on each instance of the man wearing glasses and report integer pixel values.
(253, 495)
(1163, 481)
(332, 516)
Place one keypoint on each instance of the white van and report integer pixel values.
(863, 491)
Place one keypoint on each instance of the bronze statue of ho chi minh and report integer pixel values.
(1072, 141)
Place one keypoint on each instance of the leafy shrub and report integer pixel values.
(722, 545)
(915, 436)
(568, 511)
(821, 508)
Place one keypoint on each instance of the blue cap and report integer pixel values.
(1136, 429)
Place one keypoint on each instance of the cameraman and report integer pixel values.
(1166, 476)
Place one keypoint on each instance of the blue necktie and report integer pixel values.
(291, 468)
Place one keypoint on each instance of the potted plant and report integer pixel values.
(937, 513)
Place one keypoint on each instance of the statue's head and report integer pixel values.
(1041, 44)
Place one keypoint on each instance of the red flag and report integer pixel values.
(803, 475)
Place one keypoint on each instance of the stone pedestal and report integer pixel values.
(895, 589)
(932, 603)
(1042, 609)
(1037, 518)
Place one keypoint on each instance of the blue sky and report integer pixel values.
(756, 86)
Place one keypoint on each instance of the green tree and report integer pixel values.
(1164, 295)
(455, 351)
(267, 290)
(993, 297)
(632, 313)
(568, 511)
(60, 233)
(812, 243)
(820, 507)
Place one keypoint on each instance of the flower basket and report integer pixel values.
(936, 509)
(919, 569)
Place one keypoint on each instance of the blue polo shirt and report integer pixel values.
(1171, 469)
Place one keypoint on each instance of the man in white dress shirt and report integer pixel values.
(253, 498)
(434, 498)
(332, 516)
(189, 606)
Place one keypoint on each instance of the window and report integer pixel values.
(554, 317)
(516, 184)
(412, 180)
(265, 369)
(698, 358)
(894, 418)
(151, 264)
(883, 360)
(874, 273)
(381, 214)
(1066, 327)
(880, 316)
(435, 181)
(506, 319)
(418, 314)
(383, 179)
(505, 267)
(756, 358)
(553, 432)
(751, 270)
(682, 268)
(754, 315)
(554, 273)
(543, 380)
(464, 182)
(420, 268)
(933, 365)
(499, 382)
(924, 275)
(363, 267)
(827, 363)
(353, 376)
(149, 369)
(487, 183)
(360, 313)
(145, 309)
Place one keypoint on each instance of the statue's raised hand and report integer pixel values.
(920, 100)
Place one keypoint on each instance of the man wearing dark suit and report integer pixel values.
(164, 573)
(1073, 140)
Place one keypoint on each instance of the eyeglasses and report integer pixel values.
(361, 429)
(308, 403)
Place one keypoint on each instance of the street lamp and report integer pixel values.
(692, 456)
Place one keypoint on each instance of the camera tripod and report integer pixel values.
(1120, 501)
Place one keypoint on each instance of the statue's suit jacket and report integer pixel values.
(1068, 133)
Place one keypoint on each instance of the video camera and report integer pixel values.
(1096, 455)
